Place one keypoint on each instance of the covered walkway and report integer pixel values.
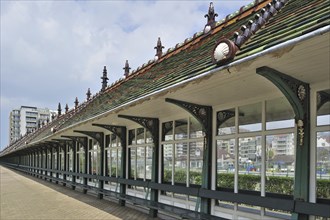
(24, 197)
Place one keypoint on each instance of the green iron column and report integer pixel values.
(298, 95)
(74, 165)
(119, 131)
(203, 114)
(84, 142)
(51, 163)
(58, 148)
(65, 163)
(99, 137)
(152, 125)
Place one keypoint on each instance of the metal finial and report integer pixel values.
(59, 110)
(104, 78)
(66, 108)
(159, 48)
(211, 15)
(126, 68)
(76, 103)
(88, 94)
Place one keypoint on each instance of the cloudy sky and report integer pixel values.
(53, 51)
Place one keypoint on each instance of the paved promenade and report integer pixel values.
(25, 197)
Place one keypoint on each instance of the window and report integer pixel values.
(279, 114)
(113, 155)
(260, 157)
(140, 154)
(81, 159)
(249, 118)
(322, 142)
(182, 149)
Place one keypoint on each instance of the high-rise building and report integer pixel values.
(26, 119)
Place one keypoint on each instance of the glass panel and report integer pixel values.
(82, 162)
(225, 163)
(148, 137)
(113, 162)
(70, 157)
(323, 107)
(196, 129)
(180, 172)
(140, 162)
(149, 150)
(133, 162)
(226, 122)
(181, 127)
(140, 136)
(249, 118)
(249, 163)
(167, 162)
(62, 160)
(97, 158)
(323, 165)
(167, 132)
(280, 159)
(279, 114)
(55, 161)
(113, 140)
(196, 162)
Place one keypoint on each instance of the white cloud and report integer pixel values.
(52, 51)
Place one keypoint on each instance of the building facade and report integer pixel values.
(26, 119)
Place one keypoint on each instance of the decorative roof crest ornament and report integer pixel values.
(66, 108)
(59, 110)
(126, 68)
(159, 49)
(76, 102)
(210, 18)
(224, 51)
(104, 79)
(88, 94)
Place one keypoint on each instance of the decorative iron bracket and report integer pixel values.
(202, 113)
(52, 143)
(78, 139)
(297, 93)
(62, 143)
(119, 131)
(322, 98)
(151, 124)
(166, 127)
(223, 116)
(98, 136)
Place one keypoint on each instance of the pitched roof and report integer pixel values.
(194, 57)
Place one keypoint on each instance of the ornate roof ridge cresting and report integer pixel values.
(57, 124)
(226, 49)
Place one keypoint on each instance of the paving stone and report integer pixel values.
(30, 198)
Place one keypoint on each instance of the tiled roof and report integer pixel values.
(193, 57)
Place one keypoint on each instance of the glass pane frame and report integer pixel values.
(180, 163)
(140, 154)
(235, 183)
